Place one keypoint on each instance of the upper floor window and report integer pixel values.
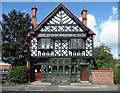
(45, 43)
(77, 43)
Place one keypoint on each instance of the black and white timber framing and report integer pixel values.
(61, 35)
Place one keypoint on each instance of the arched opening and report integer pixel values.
(66, 68)
(54, 68)
(72, 69)
(61, 68)
(49, 69)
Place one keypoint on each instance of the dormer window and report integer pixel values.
(45, 43)
(77, 43)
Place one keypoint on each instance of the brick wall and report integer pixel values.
(102, 76)
(5, 66)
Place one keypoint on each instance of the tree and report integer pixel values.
(15, 27)
(102, 56)
(104, 59)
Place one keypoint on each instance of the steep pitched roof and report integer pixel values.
(54, 11)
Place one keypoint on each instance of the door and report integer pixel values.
(84, 72)
(38, 70)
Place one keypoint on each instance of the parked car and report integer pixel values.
(3, 74)
(4, 71)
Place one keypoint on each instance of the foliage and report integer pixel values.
(116, 71)
(2, 81)
(102, 56)
(104, 59)
(15, 28)
(18, 74)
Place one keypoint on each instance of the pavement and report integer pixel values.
(38, 87)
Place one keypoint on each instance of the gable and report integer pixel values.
(61, 22)
(61, 19)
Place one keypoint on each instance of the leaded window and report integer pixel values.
(45, 43)
(77, 43)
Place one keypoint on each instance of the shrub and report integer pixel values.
(116, 75)
(18, 74)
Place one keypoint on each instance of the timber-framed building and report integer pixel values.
(60, 47)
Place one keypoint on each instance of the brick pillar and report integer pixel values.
(84, 17)
(34, 10)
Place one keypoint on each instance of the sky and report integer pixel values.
(102, 17)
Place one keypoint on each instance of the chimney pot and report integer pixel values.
(34, 6)
(84, 8)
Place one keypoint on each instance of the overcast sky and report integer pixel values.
(102, 17)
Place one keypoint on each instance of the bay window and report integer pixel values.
(45, 43)
(77, 43)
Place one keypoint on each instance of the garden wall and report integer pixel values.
(102, 76)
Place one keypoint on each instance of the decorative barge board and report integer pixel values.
(61, 47)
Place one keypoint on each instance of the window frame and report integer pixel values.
(51, 43)
(74, 45)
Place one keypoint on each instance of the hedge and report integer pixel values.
(18, 74)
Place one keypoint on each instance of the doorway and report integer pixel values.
(84, 72)
(38, 70)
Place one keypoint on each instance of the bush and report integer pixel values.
(116, 75)
(18, 74)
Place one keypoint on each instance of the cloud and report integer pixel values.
(114, 10)
(109, 30)
(106, 32)
(91, 23)
(24, 11)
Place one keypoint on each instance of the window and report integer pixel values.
(72, 69)
(49, 69)
(45, 44)
(66, 69)
(77, 43)
(54, 68)
(60, 68)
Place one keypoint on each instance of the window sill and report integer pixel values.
(46, 49)
(77, 49)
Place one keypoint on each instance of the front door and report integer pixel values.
(38, 72)
(84, 72)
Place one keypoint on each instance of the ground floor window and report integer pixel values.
(49, 69)
(61, 68)
(66, 68)
(55, 68)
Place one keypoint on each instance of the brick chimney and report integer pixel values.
(84, 17)
(34, 9)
